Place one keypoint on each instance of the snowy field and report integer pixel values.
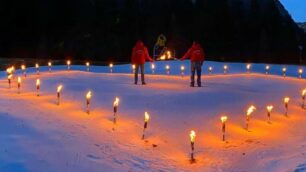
(38, 135)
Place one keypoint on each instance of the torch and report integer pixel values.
(192, 140)
(303, 98)
(146, 120)
(49, 65)
(248, 67)
(37, 87)
(37, 68)
(210, 69)
(182, 70)
(87, 66)
(284, 71)
(133, 68)
(88, 97)
(223, 120)
(68, 64)
(248, 116)
(153, 68)
(300, 73)
(23, 68)
(286, 102)
(9, 79)
(267, 69)
(59, 89)
(111, 67)
(19, 84)
(225, 69)
(168, 69)
(115, 105)
(269, 110)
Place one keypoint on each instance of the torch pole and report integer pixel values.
(269, 117)
(144, 128)
(303, 103)
(58, 98)
(87, 106)
(192, 152)
(286, 113)
(247, 123)
(223, 131)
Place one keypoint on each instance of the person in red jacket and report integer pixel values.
(197, 56)
(139, 56)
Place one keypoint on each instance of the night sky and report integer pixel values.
(297, 9)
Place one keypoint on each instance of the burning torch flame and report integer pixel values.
(225, 67)
(88, 95)
(153, 66)
(286, 100)
(269, 108)
(116, 102)
(36, 65)
(167, 67)
(284, 69)
(134, 66)
(19, 80)
(192, 136)
(37, 82)
(111, 65)
(147, 117)
(9, 76)
(267, 67)
(23, 67)
(248, 66)
(163, 57)
(49, 64)
(300, 71)
(68, 62)
(304, 92)
(87, 64)
(59, 88)
(168, 54)
(251, 110)
(182, 68)
(223, 119)
(210, 68)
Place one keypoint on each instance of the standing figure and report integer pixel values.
(139, 56)
(197, 56)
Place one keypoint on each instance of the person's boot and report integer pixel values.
(192, 84)
(199, 84)
(144, 83)
(135, 83)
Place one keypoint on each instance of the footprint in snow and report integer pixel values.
(93, 157)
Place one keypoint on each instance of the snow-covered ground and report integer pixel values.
(38, 135)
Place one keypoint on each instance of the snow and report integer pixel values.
(38, 135)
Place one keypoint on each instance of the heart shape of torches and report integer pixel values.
(58, 91)
(286, 102)
(192, 141)
(146, 120)
(250, 110)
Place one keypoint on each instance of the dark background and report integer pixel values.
(104, 30)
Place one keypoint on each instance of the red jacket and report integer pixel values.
(140, 54)
(196, 53)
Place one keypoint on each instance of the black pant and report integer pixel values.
(142, 72)
(196, 67)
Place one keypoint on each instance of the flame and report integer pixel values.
(111, 65)
(88, 95)
(37, 82)
(225, 67)
(9, 76)
(210, 68)
(153, 66)
(167, 67)
(286, 100)
(116, 102)
(304, 92)
(68, 62)
(251, 110)
(36, 65)
(147, 117)
(267, 67)
(134, 66)
(269, 108)
(300, 71)
(23, 67)
(49, 64)
(163, 57)
(182, 68)
(192, 136)
(19, 80)
(87, 64)
(59, 88)
(10, 70)
(248, 66)
(168, 54)
(223, 119)
(284, 69)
